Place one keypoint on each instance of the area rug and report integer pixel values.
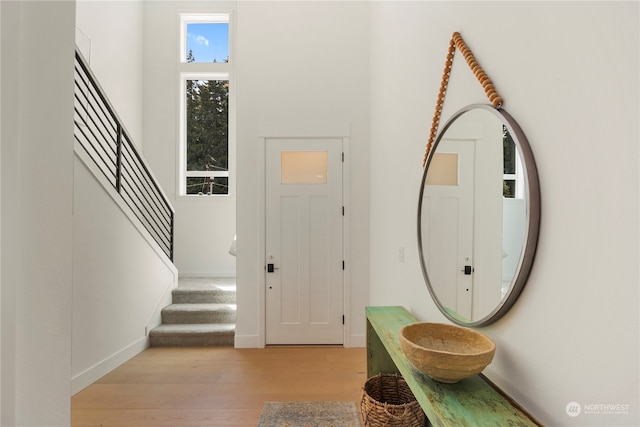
(309, 414)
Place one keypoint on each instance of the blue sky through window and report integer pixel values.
(208, 41)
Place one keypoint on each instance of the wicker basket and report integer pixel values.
(388, 401)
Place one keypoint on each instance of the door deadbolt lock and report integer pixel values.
(271, 268)
(467, 270)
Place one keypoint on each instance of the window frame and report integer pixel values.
(518, 177)
(203, 71)
(201, 18)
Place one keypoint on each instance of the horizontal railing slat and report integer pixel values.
(100, 132)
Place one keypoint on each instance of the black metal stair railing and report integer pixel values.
(100, 132)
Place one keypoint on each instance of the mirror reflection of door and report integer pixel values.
(448, 225)
(304, 240)
(464, 217)
(504, 210)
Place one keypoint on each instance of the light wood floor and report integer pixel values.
(217, 386)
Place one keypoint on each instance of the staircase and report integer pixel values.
(203, 313)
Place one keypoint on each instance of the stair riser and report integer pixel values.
(190, 317)
(204, 297)
(192, 341)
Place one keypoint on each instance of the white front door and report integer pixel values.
(304, 241)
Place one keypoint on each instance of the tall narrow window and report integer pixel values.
(207, 136)
(512, 178)
(205, 105)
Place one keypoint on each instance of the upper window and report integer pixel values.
(205, 105)
(204, 38)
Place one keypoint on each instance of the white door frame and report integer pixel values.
(302, 129)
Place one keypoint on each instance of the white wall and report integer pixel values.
(300, 62)
(37, 179)
(114, 31)
(204, 226)
(121, 278)
(1, 381)
(568, 72)
(7, 293)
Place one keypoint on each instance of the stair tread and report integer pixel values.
(200, 307)
(193, 328)
(205, 288)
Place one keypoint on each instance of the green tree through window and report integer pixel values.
(207, 128)
(509, 164)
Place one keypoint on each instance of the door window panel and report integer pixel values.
(303, 167)
(443, 169)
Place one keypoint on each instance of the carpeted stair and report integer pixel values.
(203, 313)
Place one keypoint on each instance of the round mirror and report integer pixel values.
(478, 215)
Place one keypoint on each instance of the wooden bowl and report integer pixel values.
(446, 353)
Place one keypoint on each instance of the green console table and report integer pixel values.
(473, 401)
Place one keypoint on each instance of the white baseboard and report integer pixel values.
(100, 369)
(358, 341)
(248, 341)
